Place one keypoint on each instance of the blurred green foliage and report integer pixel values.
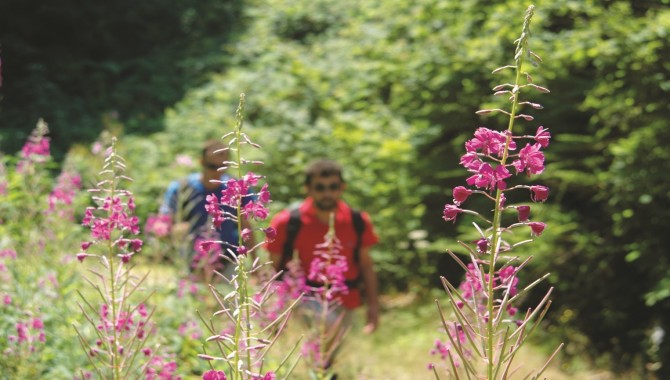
(389, 88)
(70, 62)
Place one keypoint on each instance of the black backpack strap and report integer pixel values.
(292, 229)
(359, 226)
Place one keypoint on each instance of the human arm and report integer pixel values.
(371, 290)
(179, 228)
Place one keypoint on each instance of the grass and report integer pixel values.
(399, 349)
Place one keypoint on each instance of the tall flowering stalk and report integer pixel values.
(326, 273)
(488, 331)
(122, 328)
(242, 342)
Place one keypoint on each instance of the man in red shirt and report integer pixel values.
(324, 186)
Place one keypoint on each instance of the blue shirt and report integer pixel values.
(186, 200)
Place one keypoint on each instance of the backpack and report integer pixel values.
(293, 227)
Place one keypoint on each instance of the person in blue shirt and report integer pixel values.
(185, 202)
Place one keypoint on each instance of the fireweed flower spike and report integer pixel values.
(485, 336)
(326, 321)
(120, 349)
(245, 338)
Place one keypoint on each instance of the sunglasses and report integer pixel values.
(211, 166)
(320, 188)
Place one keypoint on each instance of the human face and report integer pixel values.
(213, 161)
(326, 192)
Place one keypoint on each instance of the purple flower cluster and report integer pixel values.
(445, 349)
(158, 225)
(328, 268)
(28, 334)
(220, 375)
(160, 368)
(207, 254)
(238, 194)
(111, 221)
(493, 146)
(472, 290)
(36, 150)
(67, 185)
(486, 158)
(5, 274)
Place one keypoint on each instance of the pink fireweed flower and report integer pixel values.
(270, 234)
(523, 213)
(264, 195)
(97, 148)
(184, 160)
(36, 147)
(235, 190)
(207, 253)
(63, 194)
(160, 368)
(482, 245)
(10, 253)
(214, 375)
(7, 300)
(246, 234)
(539, 193)
(536, 228)
(22, 332)
(531, 160)
(113, 215)
(37, 324)
(488, 142)
(471, 161)
(461, 194)
(488, 178)
(471, 285)
(312, 350)
(268, 376)
(507, 278)
(81, 256)
(450, 212)
(328, 268)
(255, 210)
(158, 225)
(542, 136)
(142, 310)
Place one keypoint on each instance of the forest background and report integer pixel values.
(388, 88)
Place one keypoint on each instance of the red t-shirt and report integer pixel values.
(313, 231)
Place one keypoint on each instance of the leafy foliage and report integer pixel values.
(71, 63)
(390, 96)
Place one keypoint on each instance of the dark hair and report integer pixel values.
(323, 168)
(213, 145)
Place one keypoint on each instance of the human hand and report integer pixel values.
(180, 230)
(373, 320)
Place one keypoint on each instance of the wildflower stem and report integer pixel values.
(241, 280)
(491, 332)
(116, 369)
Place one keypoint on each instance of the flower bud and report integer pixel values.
(536, 228)
(461, 194)
(539, 193)
(524, 213)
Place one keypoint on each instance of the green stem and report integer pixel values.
(110, 248)
(242, 289)
(497, 214)
(326, 304)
